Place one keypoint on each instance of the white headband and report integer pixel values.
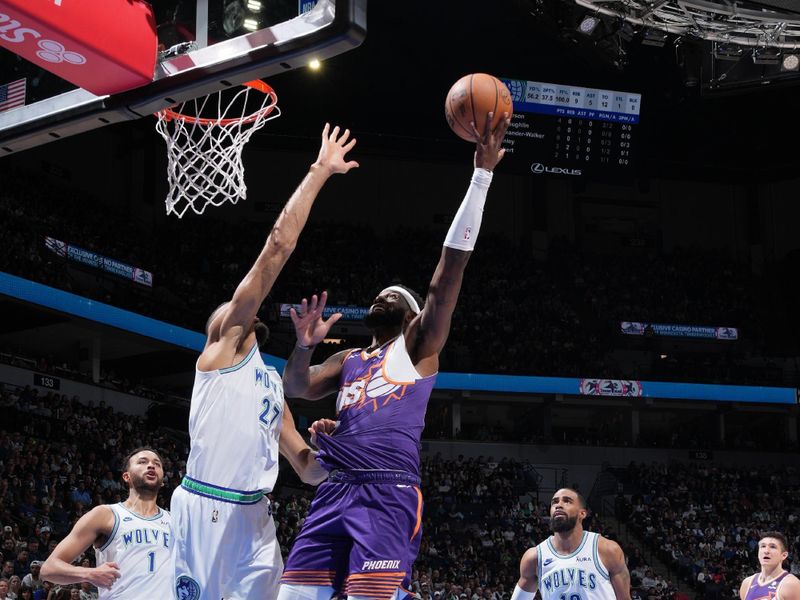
(408, 297)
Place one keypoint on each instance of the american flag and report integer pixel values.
(12, 94)
(56, 246)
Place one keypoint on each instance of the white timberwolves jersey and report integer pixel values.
(142, 547)
(234, 423)
(576, 576)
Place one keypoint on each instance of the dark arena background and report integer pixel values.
(627, 326)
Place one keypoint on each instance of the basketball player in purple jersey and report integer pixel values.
(773, 581)
(363, 530)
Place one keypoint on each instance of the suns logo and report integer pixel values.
(361, 391)
(378, 387)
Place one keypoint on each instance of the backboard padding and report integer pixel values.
(331, 28)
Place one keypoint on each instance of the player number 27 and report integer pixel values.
(267, 417)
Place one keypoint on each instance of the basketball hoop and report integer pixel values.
(204, 145)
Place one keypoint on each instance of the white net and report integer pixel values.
(204, 148)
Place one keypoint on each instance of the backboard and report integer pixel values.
(205, 46)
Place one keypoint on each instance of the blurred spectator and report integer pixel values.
(88, 592)
(14, 585)
(32, 579)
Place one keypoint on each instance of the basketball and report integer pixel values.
(470, 98)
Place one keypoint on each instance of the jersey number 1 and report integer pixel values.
(265, 417)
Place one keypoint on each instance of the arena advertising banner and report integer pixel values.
(98, 261)
(611, 387)
(349, 313)
(673, 330)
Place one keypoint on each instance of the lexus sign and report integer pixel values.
(540, 169)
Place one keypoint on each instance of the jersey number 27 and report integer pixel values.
(270, 412)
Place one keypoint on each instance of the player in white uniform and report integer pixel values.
(573, 564)
(225, 546)
(133, 539)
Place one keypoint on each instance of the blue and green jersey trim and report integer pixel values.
(539, 560)
(113, 531)
(242, 363)
(158, 515)
(571, 554)
(596, 553)
(208, 490)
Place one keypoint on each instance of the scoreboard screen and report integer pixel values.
(570, 131)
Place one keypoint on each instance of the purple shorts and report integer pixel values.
(361, 535)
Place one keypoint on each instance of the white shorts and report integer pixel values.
(224, 551)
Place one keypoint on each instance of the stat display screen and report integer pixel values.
(571, 131)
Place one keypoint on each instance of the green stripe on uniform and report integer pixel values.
(221, 493)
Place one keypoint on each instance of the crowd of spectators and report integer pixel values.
(558, 316)
(60, 457)
(705, 521)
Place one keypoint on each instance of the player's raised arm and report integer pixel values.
(92, 527)
(302, 458)
(427, 334)
(614, 560)
(300, 380)
(238, 315)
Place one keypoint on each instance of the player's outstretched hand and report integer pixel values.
(309, 325)
(332, 153)
(104, 576)
(325, 426)
(489, 150)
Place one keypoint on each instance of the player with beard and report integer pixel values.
(363, 530)
(773, 581)
(132, 539)
(225, 537)
(573, 564)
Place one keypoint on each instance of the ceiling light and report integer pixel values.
(588, 25)
(791, 62)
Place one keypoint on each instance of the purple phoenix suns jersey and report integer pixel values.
(766, 591)
(381, 411)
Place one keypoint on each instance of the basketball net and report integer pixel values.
(204, 153)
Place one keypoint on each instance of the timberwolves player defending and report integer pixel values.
(362, 532)
(573, 564)
(225, 544)
(773, 581)
(132, 539)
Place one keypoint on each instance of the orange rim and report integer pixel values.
(169, 114)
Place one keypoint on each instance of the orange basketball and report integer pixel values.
(470, 98)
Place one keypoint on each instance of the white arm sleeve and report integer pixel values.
(467, 223)
(520, 594)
